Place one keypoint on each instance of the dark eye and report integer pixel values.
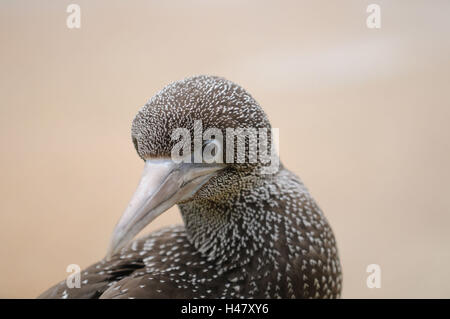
(211, 151)
(209, 146)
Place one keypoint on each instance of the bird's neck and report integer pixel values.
(229, 233)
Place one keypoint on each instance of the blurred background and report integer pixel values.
(363, 117)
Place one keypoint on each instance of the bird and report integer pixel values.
(245, 234)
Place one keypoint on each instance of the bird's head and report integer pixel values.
(196, 137)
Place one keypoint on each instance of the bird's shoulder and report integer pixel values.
(139, 260)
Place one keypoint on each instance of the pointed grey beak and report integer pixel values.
(163, 184)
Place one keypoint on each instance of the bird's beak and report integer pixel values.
(163, 184)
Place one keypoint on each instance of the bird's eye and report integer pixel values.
(212, 151)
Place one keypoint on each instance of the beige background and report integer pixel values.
(363, 117)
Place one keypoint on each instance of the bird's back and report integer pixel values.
(298, 258)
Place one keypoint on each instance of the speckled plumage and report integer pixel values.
(245, 234)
